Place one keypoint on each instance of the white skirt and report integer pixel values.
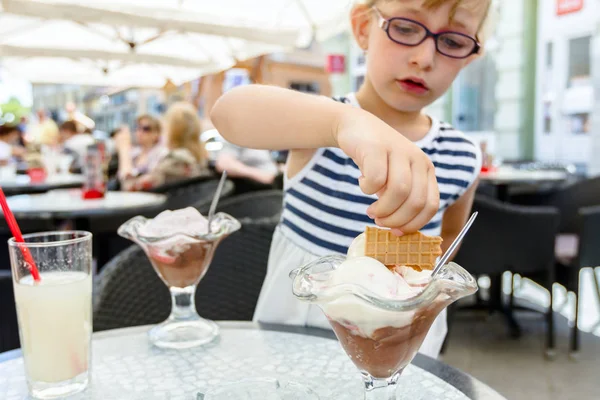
(277, 305)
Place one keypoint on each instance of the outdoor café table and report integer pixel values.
(126, 366)
(504, 177)
(68, 204)
(22, 184)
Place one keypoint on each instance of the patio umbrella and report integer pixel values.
(142, 42)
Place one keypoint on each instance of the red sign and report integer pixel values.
(336, 64)
(568, 6)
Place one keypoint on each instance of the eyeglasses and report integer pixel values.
(144, 128)
(412, 33)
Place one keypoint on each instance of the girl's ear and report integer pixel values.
(360, 18)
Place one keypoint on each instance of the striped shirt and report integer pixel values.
(324, 208)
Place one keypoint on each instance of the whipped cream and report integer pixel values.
(186, 221)
(177, 230)
(361, 317)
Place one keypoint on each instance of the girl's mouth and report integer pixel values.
(413, 85)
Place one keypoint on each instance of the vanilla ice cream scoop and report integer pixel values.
(377, 279)
(357, 248)
(414, 277)
(187, 221)
(372, 275)
(367, 272)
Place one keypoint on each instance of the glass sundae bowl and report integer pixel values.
(380, 323)
(181, 247)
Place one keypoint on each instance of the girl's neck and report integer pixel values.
(413, 125)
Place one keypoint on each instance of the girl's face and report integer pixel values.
(410, 78)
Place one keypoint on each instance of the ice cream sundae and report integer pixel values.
(381, 299)
(180, 247)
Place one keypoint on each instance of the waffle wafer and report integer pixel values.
(414, 250)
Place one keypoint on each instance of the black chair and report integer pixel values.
(9, 329)
(579, 206)
(230, 289)
(192, 192)
(253, 205)
(587, 255)
(516, 239)
(129, 293)
(571, 198)
(246, 185)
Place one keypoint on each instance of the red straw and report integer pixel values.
(14, 228)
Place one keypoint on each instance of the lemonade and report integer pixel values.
(55, 324)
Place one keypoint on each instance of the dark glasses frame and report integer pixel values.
(386, 23)
(144, 128)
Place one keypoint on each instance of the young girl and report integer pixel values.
(372, 157)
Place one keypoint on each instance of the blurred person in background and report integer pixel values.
(82, 121)
(148, 151)
(44, 132)
(250, 169)
(185, 157)
(75, 143)
(9, 143)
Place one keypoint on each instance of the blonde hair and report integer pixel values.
(486, 27)
(183, 130)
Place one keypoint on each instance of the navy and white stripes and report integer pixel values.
(324, 208)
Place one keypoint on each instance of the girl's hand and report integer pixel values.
(393, 168)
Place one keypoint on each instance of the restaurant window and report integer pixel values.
(580, 123)
(474, 96)
(547, 88)
(579, 61)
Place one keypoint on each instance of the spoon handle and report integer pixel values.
(215, 200)
(454, 245)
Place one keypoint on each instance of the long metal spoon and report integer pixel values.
(215, 201)
(454, 245)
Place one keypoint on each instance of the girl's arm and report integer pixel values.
(266, 117)
(456, 217)
(393, 168)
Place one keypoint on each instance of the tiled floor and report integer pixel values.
(517, 369)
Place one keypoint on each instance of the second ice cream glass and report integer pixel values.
(181, 247)
(379, 330)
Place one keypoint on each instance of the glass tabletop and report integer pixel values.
(71, 201)
(126, 366)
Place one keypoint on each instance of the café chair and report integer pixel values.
(512, 238)
(253, 205)
(9, 329)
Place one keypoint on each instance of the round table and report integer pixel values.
(65, 203)
(126, 366)
(22, 184)
(108, 213)
(502, 178)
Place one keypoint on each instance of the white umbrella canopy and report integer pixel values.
(282, 22)
(142, 42)
(94, 73)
